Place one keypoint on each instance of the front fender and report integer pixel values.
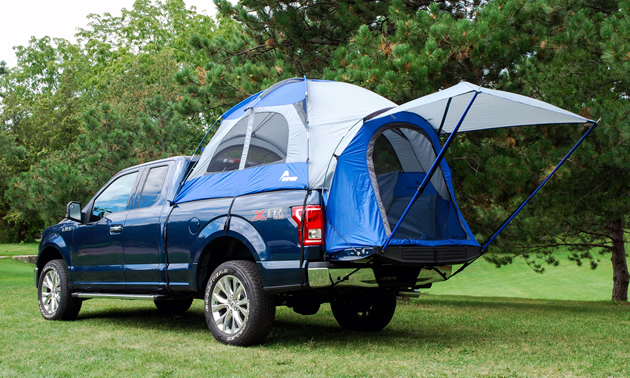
(56, 241)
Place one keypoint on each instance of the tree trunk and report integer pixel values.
(619, 263)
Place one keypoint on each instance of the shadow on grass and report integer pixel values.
(288, 329)
(412, 326)
(189, 322)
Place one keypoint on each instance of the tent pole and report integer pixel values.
(193, 155)
(448, 104)
(432, 170)
(484, 249)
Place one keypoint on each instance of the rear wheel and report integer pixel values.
(365, 313)
(238, 310)
(173, 306)
(55, 298)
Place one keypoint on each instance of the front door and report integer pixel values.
(98, 260)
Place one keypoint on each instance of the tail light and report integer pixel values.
(312, 224)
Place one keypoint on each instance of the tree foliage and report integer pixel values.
(570, 53)
(74, 114)
(263, 42)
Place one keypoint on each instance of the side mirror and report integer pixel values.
(73, 211)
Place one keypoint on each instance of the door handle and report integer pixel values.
(116, 228)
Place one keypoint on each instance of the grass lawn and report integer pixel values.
(567, 281)
(18, 249)
(432, 336)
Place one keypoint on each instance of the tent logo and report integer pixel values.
(285, 177)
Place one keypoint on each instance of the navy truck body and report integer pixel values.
(145, 247)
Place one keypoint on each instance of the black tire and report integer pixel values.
(173, 306)
(248, 304)
(53, 291)
(368, 313)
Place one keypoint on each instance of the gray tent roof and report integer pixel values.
(491, 109)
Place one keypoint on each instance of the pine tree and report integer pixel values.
(572, 54)
(258, 43)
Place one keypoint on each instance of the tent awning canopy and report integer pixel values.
(491, 109)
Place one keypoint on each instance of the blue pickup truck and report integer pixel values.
(310, 192)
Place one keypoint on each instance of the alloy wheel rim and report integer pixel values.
(230, 305)
(51, 291)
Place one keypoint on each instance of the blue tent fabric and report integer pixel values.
(238, 110)
(292, 91)
(354, 219)
(247, 181)
(355, 211)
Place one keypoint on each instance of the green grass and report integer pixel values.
(432, 336)
(18, 249)
(567, 281)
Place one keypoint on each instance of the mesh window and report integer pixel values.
(268, 143)
(385, 159)
(401, 157)
(229, 152)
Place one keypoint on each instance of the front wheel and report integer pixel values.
(55, 299)
(365, 312)
(238, 310)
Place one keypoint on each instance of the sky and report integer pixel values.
(21, 19)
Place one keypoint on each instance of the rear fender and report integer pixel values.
(243, 231)
(185, 276)
(240, 229)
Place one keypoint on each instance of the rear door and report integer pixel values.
(143, 244)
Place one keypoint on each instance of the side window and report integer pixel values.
(153, 186)
(114, 198)
(228, 155)
(268, 143)
(384, 157)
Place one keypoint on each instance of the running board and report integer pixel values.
(146, 297)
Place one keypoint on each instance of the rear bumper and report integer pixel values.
(440, 255)
(325, 275)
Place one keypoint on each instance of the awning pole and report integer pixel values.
(484, 249)
(432, 170)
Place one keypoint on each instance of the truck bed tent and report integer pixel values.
(368, 195)
(281, 138)
(432, 216)
(380, 166)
